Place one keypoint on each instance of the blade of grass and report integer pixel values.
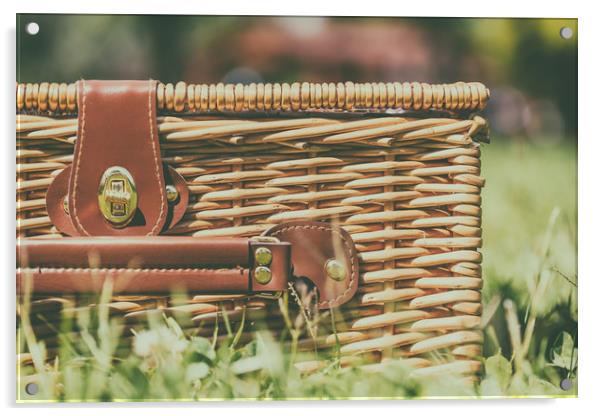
(239, 332)
(514, 331)
(540, 284)
(226, 320)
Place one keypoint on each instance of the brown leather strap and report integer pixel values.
(134, 281)
(117, 127)
(150, 264)
(320, 252)
(135, 252)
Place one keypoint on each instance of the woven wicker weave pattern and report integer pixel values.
(62, 98)
(407, 189)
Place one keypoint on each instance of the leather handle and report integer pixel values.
(320, 252)
(151, 265)
(134, 252)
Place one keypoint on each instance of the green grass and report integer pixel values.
(530, 296)
(530, 263)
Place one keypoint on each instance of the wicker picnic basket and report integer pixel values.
(396, 165)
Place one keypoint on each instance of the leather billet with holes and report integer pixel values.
(115, 227)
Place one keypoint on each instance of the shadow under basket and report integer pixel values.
(396, 165)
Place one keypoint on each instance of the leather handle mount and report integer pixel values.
(320, 252)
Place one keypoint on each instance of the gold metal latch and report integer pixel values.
(117, 196)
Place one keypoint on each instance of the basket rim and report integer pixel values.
(53, 98)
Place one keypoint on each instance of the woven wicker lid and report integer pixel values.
(61, 98)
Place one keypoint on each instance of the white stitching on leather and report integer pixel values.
(78, 157)
(156, 158)
(125, 270)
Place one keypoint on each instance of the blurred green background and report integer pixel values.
(530, 200)
(530, 69)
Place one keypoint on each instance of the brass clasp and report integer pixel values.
(117, 196)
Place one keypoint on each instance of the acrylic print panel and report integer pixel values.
(435, 159)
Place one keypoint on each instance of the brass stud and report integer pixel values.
(263, 256)
(263, 275)
(335, 270)
(172, 193)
